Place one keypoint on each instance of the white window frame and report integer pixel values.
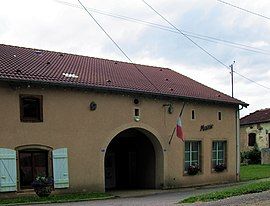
(191, 161)
(215, 157)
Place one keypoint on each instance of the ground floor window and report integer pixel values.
(218, 153)
(31, 165)
(192, 154)
(19, 173)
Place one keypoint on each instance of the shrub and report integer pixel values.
(251, 157)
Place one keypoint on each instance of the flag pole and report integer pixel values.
(181, 112)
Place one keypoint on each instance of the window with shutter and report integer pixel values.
(8, 173)
(60, 168)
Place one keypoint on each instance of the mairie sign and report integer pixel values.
(206, 127)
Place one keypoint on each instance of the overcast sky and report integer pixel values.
(66, 27)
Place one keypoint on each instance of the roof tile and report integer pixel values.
(25, 64)
(258, 116)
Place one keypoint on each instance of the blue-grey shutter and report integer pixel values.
(60, 168)
(8, 172)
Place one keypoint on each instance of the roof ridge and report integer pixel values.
(83, 55)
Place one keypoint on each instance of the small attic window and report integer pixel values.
(108, 81)
(37, 52)
(70, 75)
(14, 55)
(61, 55)
(166, 79)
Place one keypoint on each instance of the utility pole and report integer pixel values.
(231, 66)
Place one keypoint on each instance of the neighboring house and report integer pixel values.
(96, 124)
(255, 129)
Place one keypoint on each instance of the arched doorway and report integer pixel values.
(133, 160)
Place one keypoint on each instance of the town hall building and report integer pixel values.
(95, 125)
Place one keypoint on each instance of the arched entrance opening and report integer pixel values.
(133, 160)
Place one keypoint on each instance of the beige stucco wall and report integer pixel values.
(69, 123)
(262, 135)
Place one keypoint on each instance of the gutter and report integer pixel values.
(238, 143)
(116, 90)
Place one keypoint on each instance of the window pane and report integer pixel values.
(187, 157)
(214, 145)
(195, 146)
(214, 154)
(220, 145)
(194, 156)
(220, 161)
(187, 146)
(31, 108)
(220, 155)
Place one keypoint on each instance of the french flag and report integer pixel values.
(179, 130)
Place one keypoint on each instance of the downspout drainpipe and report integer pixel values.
(238, 143)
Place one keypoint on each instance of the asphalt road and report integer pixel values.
(172, 197)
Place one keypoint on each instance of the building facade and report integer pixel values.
(112, 130)
(255, 129)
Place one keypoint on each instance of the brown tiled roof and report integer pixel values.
(258, 116)
(55, 68)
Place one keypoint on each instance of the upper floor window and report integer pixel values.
(219, 115)
(251, 139)
(31, 108)
(193, 114)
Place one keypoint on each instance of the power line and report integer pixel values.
(200, 47)
(204, 50)
(248, 11)
(157, 25)
(170, 29)
(114, 42)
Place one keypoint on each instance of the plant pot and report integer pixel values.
(43, 191)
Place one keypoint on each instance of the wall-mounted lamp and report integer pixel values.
(170, 107)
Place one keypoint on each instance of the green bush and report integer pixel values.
(251, 157)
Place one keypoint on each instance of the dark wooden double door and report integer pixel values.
(32, 164)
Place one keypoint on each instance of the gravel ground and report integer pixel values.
(256, 199)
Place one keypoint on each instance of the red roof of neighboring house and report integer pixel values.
(56, 68)
(258, 116)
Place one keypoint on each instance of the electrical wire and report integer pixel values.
(200, 47)
(170, 29)
(248, 11)
(114, 42)
(164, 28)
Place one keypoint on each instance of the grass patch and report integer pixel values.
(55, 198)
(229, 192)
(254, 172)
